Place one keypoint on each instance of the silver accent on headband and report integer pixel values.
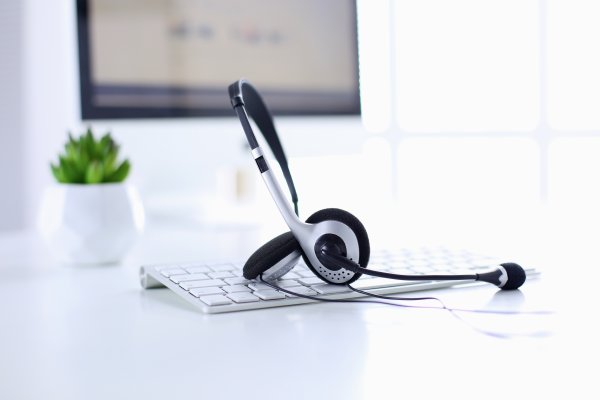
(257, 152)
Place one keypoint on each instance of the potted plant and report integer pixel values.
(91, 215)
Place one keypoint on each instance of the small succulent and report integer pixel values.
(89, 161)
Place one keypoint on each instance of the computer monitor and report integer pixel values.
(175, 58)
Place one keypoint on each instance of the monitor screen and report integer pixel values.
(175, 58)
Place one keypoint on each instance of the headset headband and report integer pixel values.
(246, 101)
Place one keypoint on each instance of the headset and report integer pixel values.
(333, 243)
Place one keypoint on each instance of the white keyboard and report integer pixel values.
(221, 287)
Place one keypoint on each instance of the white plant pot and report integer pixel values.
(91, 224)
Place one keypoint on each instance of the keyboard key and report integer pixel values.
(301, 290)
(365, 276)
(222, 267)
(242, 297)
(485, 261)
(326, 288)
(205, 291)
(420, 264)
(484, 267)
(236, 288)
(310, 281)
(374, 259)
(439, 267)
(402, 271)
(379, 266)
(203, 283)
(422, 270)
(215, 300)
(167, 272)
(187, 277)
(269, 294)
(439, 261)
(197, 270)
(237, 281)
(259, 286)
(187, 285)
(221, 274)
(382, 283)
(460, 265)
(287, 283)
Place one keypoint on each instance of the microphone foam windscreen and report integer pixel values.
(516, 276)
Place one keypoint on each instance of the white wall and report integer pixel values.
(49, 103)
(12, 143)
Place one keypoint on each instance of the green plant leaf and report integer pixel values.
(120, 173)
(94, 173)
(87, 160)
(71, 142)
(82, 160)
(58, 174)
(90, 144)
(71, 151)
(110, 161)
(106, 143)
(69, 170)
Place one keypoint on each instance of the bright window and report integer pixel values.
(467, 65)
(495, 98)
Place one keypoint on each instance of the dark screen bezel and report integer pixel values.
(91, 111)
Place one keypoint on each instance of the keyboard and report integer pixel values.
(220, 286)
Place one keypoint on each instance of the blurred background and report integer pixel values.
(476, 117)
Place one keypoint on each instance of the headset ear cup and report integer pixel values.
(273, 259)
(354, 224)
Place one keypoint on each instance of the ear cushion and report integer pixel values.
(270, 254)
(351, 222)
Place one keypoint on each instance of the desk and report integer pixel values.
(73, 332)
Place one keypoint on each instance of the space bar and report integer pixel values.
(382, 283)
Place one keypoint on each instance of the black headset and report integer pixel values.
(333, 243)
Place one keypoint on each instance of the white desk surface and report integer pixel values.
(75, 332)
